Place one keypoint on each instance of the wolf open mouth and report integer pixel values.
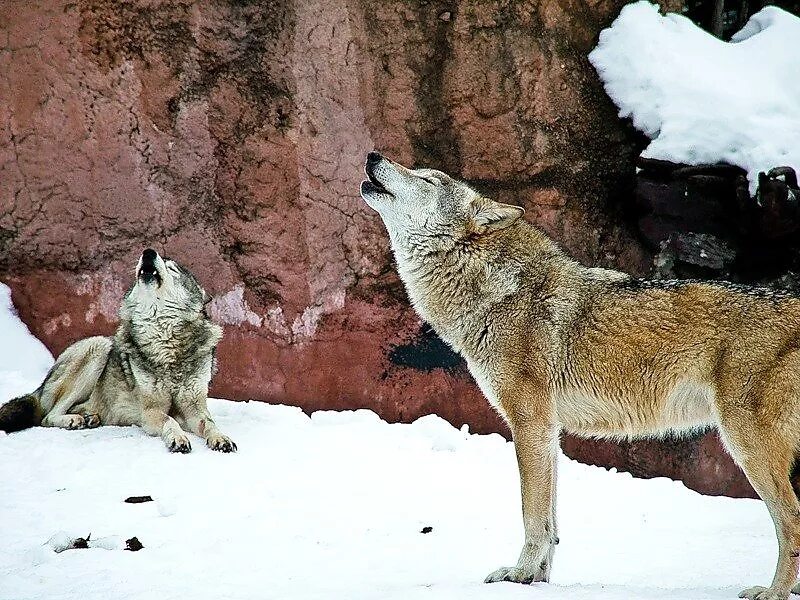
(148, 274)
(368, 187)
(373, 185)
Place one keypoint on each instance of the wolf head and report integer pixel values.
(163, 287)
(425, 210)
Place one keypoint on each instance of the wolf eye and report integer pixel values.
(429, 180)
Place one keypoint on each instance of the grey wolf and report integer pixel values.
(556, 346)
(154, 372)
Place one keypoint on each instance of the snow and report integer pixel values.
(23, 358)
(332, 506)
(702, 100)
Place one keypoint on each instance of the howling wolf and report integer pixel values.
(557, 346)
(153, 373)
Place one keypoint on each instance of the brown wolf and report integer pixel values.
(558, 346)
(153, 373)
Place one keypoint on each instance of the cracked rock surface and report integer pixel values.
(231, 136)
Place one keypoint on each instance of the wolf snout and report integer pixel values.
(149, 257)
(371, 166)
(373, 185)
(373, 158)
(147, 270)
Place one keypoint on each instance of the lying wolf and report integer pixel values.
(557, 346)
(153, 373)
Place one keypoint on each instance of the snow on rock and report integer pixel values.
(702, 100)
(24, 360)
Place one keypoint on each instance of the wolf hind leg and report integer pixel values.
(81, 416)
(89, 411)
(71, 381)
(91, 420)
(67, 421)
(766, 458)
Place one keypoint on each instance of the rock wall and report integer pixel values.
(230, 136)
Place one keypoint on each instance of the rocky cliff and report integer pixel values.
(230, 136)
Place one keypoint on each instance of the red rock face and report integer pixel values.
(231, 136)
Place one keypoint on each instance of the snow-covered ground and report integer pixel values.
(332, 506)
(702, 100)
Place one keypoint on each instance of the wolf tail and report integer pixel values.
(20, 413)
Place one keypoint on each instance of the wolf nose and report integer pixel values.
(149, 255)
(373, 158)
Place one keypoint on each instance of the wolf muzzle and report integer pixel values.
(148, 272)
(372, 184)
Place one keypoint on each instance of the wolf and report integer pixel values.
(154, 372)
(556, 346)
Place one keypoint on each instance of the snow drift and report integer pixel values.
(702, 100)
(24, 361)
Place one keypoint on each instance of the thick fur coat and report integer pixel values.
(558, 346)
(154, 372)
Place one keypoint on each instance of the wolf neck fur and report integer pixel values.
(442, 281)
(166, 337)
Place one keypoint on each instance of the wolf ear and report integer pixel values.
(491, 216)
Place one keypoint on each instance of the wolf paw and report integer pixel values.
(91, 421)
(515, 575)
(74, 422)
(180, 444)
(221, 443)
(758, 592)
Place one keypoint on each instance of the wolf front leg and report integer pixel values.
(536, 445)
(193, 415)
(155, 421)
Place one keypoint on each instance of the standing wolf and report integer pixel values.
(153, 373)
(554, 345)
